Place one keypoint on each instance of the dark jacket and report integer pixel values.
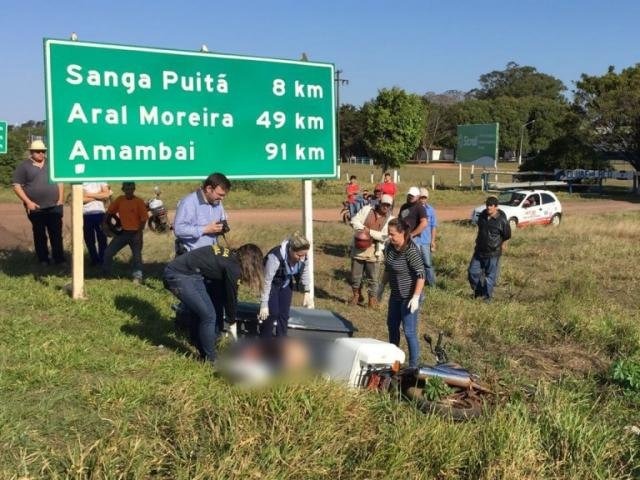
(492, 231)
(217, 264)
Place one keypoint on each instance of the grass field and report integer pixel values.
(288, 193)
(104, 388)
(331, 193)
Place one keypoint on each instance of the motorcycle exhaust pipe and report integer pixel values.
(450, 376)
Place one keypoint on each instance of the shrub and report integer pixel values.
(262, 187)
(626, 373)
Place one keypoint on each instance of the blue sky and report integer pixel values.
(417, 45)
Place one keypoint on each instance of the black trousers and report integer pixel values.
(47, 222)
(279, 308)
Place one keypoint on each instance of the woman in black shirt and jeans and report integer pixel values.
(185, 276)
(405, 272)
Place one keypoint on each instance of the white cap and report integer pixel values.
(388, 199)
(424, 192)
(414, 192)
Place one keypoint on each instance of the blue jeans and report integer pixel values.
(353, 209)
(127, 237)
(192, 292)
(430, 272)
(490, 268)
(398, 313)
(93, 235)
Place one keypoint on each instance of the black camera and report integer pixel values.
(225, 226)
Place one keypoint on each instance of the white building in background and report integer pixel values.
(428, 155)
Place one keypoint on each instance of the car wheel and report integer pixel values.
(555, 220)
(513, 223)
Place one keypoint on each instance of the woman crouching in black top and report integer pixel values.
(185, 278)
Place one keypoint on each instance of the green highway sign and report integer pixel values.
(3, 137)
(133, 113)
(478, 144)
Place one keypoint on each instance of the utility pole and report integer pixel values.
(339, 81)
(521, 138)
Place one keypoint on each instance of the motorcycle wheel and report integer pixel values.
(151, 223)
(460, 406)
(156, 226)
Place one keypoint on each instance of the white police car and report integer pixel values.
(526, 207)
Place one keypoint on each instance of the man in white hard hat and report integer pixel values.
(43, 202)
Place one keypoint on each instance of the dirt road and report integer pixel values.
(15, 229)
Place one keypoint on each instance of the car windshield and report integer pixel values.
(510, 198)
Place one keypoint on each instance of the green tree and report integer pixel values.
(395, 125)
(513, 98)
(17, 147)
(469, 111)
(519, 81)
(568, 151)
(610, 107)
(438, 105)
(510, 113)
(545, 121)
(448, 97)
(352, 127)
(552, 121)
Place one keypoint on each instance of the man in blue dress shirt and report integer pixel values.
(200, 217)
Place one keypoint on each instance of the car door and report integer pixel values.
(550, 206)
(532, 210)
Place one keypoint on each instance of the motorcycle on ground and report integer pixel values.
(444, 388)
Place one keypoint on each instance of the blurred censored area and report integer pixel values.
(258, 361)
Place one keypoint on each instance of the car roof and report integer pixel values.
(526, 192)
